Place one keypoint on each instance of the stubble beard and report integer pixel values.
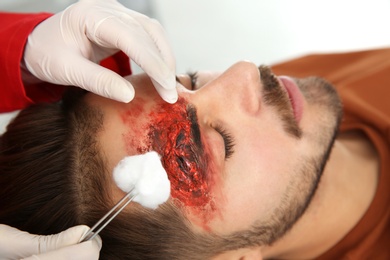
(300, 191)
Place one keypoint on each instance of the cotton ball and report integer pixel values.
(146, 175)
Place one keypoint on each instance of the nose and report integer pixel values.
(237, 89)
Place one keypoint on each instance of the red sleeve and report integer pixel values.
(13, 36)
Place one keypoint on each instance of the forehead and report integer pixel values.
(146, 98)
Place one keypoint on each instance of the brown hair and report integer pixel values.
(52, 177)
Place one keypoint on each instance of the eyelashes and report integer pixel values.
(194, 78)
(227, 139)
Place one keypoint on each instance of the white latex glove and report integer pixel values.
(16, 244)
(65, 49)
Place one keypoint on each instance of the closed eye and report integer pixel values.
(227, 139)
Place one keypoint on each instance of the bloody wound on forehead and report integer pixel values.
(175, 134)
(172, 131)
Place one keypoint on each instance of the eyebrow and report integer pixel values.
(195, 130)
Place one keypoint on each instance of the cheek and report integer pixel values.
(256, 179)
(270, 160)
(269, 148)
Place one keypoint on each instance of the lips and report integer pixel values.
(295, 96)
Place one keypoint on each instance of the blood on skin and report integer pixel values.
(169, 133)
(132, 118)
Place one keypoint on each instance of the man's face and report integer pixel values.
(244, 149)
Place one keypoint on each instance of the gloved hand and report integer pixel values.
(65, 48)
(16, 244)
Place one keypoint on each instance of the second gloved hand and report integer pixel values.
(65, 49)
(16, 244)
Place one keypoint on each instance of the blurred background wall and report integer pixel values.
(213, 34)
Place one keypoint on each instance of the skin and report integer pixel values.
(271, 171)
(346, 190)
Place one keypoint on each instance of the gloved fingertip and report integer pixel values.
(126, 97)
(169, 95)
(98, 241)
(171, 98)
(126, 94)
(83, 228)
(170, 82)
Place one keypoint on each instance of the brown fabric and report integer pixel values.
(363, 82)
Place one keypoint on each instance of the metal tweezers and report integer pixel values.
(106, 219)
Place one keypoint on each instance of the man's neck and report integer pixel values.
(345, 192)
